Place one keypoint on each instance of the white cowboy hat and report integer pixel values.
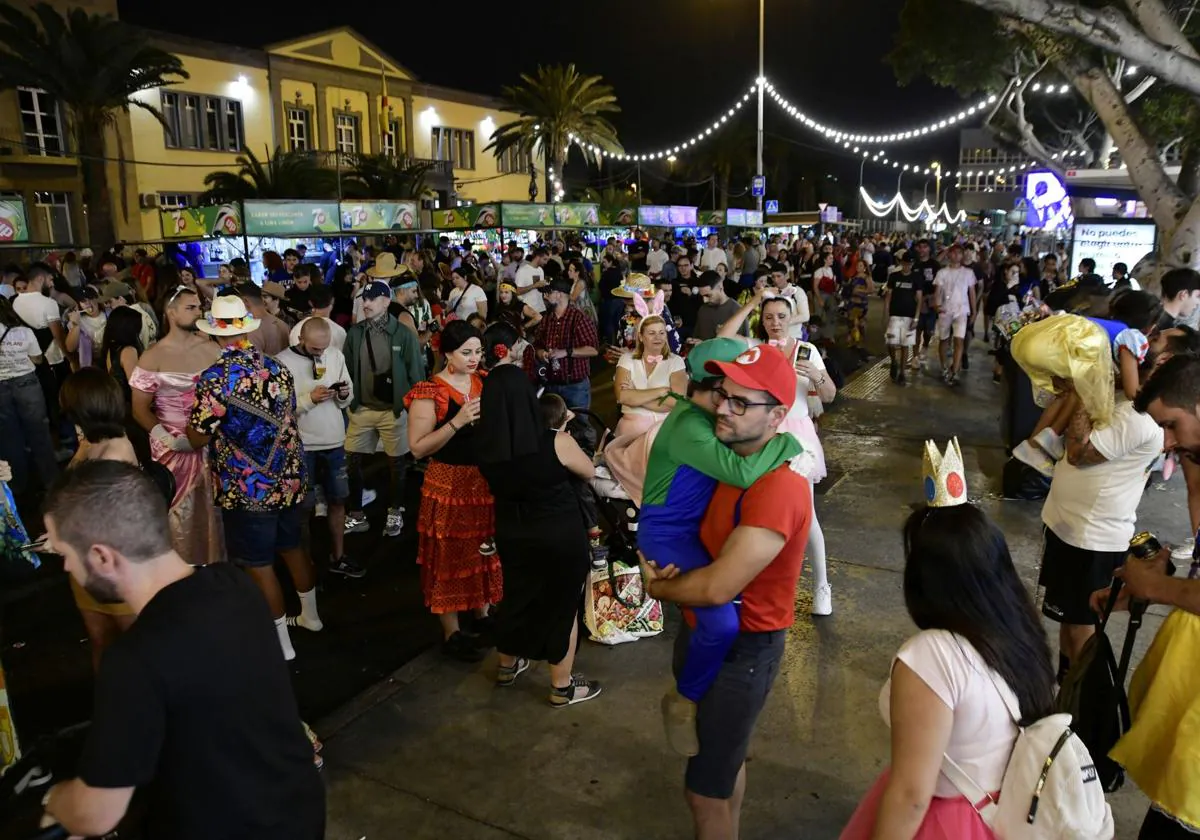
(228, 316)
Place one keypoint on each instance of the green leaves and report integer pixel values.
(385, 177)
(282, 175)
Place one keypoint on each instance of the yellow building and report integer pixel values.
(323, 93)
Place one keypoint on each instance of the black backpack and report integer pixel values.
(1093, 693)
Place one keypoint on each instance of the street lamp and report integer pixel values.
(762, 83)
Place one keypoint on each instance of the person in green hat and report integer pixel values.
(687, 462)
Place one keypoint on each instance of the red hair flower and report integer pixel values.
(500, 351)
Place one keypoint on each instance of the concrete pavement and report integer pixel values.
(437, 752)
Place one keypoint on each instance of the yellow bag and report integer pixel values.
(1069, 347)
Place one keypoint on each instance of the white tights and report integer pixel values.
(815, 550)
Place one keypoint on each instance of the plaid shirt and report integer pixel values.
(572, 330)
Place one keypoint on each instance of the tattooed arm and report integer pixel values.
(1080, 451)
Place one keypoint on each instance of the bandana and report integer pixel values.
(378, 324)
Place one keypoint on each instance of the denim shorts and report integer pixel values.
(327, 468)
(728, 712)
(254, 537)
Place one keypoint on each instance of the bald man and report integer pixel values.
(323, 391)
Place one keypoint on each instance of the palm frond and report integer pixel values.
(281, 174)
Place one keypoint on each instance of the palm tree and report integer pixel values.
(385, 177)
(611, 200)
(294, 174)
(93, 65)
(727, 156)
(557, 107)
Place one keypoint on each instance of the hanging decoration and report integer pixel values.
(924, 210)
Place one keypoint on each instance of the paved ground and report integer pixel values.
(436, 752)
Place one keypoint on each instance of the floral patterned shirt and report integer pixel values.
(247, 403)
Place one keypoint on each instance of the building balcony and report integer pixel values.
(18, 154)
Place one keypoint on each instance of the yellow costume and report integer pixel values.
(1161, 750)
(1069, 347)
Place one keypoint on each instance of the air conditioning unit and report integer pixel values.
(148, 201)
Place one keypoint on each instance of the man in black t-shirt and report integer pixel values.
(926, 268)
(193, 703)
(901, 303)
(639, 250)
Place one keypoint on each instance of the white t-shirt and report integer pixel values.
(337, 334)
(527, 275)
(983, 734)
(1095, 508)
(464, 302)
(712, 257)
(17, 344)
(39, 312)
(803, 383)
(951, 290)
(660, 377)
(655, 261)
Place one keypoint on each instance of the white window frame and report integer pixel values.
(346, 132)
(299, 126)
(390, 141)
(227, 132)
(45, 202)
(513, 161)
(456, 145)
(175, 201)
(44, 109)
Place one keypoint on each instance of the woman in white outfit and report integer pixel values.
(774, 327)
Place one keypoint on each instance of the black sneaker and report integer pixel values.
(579, 691)
(895, 370)
(347, 568)
(462, 648)
(900, 380)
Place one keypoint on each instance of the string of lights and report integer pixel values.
(923, 210)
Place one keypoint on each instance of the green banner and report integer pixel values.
(711, 218)
(619, 217)
(13, 225)
(201, 222)
(523, 215)
(291, 218)
(379, 216)
(577, 215)
(466, 218)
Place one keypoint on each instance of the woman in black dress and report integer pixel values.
(541, 535)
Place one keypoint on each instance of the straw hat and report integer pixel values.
(228, 317)
(386, 267)
(635, 284)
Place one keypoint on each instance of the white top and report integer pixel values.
(983, 734)
(712, 257)
(16, 346)
(660, 377)
(527, 275)
(655, 260)
(803, 383)
(470, 297)
(337, 333)
(822, 273)
(1095, 507)
(39, 312)
(321, 424)
(951, 290)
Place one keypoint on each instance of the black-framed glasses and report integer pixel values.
(737, 405)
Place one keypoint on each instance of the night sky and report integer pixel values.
(675, 64)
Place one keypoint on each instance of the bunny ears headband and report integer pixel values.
(644, 309)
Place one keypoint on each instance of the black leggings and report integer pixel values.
(1158, 826)
(396, 470)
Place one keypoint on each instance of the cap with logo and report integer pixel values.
(762, 368)
(376, 289)
(713, 350)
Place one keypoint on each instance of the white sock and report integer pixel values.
(815, 551)
(309, 619)
(285, 641)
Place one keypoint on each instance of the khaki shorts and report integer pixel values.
(369, 428)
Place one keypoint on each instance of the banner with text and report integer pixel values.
(201, 222)
(14, 226)
(743, 218)
(577, 215)
(466, 218)
(291, 218)
(523, 215)
(1111, 242)
(379, 216)
(619, 217)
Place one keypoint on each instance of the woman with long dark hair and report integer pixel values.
(541, 529)
(467, 297)
(122, 346)
(981, 652)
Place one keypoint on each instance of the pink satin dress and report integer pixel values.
(196, 533)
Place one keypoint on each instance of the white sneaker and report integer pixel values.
(1052, 443)
(369, 496)
(1182, 553)
(321, 510)
(1029, 454)
(395, 523)
(823, 600)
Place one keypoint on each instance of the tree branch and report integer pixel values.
(1111, 31)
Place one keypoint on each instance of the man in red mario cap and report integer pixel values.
(757, 539)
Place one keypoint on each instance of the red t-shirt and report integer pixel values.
(780, 501)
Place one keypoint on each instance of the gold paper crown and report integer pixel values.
(945, 478)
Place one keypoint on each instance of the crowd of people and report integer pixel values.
(213, 417)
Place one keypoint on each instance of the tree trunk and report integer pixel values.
(101, 234)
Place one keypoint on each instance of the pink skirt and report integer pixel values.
(946, 819)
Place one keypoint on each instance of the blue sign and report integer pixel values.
(772, 206)
(758, 186)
